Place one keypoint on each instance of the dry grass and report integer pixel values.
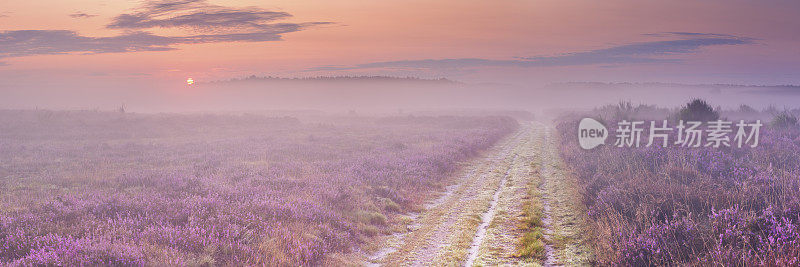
(532, 243)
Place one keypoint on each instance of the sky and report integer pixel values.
(159, 44)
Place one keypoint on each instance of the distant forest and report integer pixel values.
(340, 79)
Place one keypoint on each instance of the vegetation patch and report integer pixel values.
(86, 188)
(532, 243)
(692, 206)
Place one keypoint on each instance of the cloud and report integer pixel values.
(203, 20)
(689, 34)
(49, 42)
(634, 53)
(198, 15)
(212, 23)
(165, 6)
(639, 52)
(81, 15)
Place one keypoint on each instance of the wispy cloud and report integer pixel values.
(690, 34)
(640, 52)
(197, 15)
(633, 53)
(47, 42)
(207, 24)
(81, 15)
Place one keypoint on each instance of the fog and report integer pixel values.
(380, 95)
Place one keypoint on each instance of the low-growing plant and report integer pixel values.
(88, 188)
(655, 206)
(784, 120)
(532, 242)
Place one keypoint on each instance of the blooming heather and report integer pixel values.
(691, 206)
(87, 188)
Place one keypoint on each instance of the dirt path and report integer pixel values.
(477, 220)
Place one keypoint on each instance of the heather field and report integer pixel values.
(725, 206)
(101, 188)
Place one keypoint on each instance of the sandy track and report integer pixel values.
(476, 221)
(443, 233)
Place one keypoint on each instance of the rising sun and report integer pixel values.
(189, 81)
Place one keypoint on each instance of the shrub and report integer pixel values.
(784, 120)
(747, 109)
(698, 110)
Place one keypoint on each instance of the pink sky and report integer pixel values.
(759, 41)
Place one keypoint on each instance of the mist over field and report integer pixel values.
(389, 95)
